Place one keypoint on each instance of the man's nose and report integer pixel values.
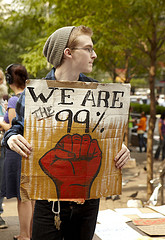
(94, 55)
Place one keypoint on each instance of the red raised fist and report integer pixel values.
(73, 165)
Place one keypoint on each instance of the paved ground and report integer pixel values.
(134, 179)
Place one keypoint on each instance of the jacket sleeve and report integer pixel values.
(17, 122)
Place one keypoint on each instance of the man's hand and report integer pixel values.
(20, 145)
(122, 157)
(73, 165)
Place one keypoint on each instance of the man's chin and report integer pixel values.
(88, 70)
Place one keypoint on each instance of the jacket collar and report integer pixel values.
(82, 77)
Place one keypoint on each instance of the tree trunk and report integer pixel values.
(126, 138)
(151, 128)
(114, 75)
(127, 80)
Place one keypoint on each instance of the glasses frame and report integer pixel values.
(89, 49)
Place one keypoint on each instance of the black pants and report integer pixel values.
(160, 148)
(2, 158)
(78, 220)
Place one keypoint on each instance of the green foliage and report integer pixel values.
(139, 82)
(23, 35)
(138, 108)
(34, 54)
(160, 109)
(123, 31)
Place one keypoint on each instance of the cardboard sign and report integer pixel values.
(76, 130)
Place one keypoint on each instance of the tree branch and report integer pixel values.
(160, 44)
(143, 47)
(162, 53)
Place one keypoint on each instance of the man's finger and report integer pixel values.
(122, 157)
(122, 161)
(19, 151)
(19, 144)
(23, 142)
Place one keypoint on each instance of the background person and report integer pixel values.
(16, 76)
(70, 51)
(141, 130)
(3, 92)
(161, 146)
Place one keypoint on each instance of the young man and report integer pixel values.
(70, 51)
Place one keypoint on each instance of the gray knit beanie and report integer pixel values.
(55, 45)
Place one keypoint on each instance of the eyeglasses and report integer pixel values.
(90, 50)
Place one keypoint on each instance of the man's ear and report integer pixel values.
(67, 52)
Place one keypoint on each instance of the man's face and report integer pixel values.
(83, 54)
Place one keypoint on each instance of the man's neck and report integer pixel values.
(64, 73)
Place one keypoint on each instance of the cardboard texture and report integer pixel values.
(152, 227)
(76, 129)
(153, 230)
